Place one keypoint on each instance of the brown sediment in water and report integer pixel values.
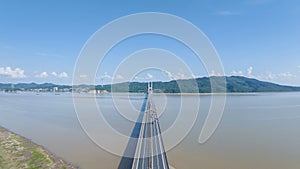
(19, 152)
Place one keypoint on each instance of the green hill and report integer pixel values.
(203, 85)
(198, 85)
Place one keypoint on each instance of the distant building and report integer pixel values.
(55, 89)
(94, 91)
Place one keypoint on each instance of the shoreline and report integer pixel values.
(18, 151)
(183, 94)
(158, 93)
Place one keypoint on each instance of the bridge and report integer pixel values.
(145, 148)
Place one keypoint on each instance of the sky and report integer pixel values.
(40, 41)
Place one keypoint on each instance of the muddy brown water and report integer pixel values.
(260, 131)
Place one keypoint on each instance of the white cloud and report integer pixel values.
(106, 76)
(16, 73)
(58, 75)
(287, 77)
(212, 73)
(249, 71)
(139, 78)
(237, 73)
(173, 76)
(146, 77)
(273, 76)
(168, 74)
(149, 76)
(270, 76)
(178, 75)
(119, 77)
(286, 74)
(277, 77)
(62, 75)
(42, 75)
(54, 73)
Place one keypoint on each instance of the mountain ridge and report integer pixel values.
(234, 84)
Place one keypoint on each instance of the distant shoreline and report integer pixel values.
(217, 84)
(27, 149)
(140, 93)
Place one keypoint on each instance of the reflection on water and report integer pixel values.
(257, 130)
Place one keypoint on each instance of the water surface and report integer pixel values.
(260, 131)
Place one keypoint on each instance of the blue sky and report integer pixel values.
(41, 40)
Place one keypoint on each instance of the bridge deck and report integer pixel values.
(148, 150)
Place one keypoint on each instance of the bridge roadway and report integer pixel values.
(146, 152)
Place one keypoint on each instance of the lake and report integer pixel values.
(257, 131)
